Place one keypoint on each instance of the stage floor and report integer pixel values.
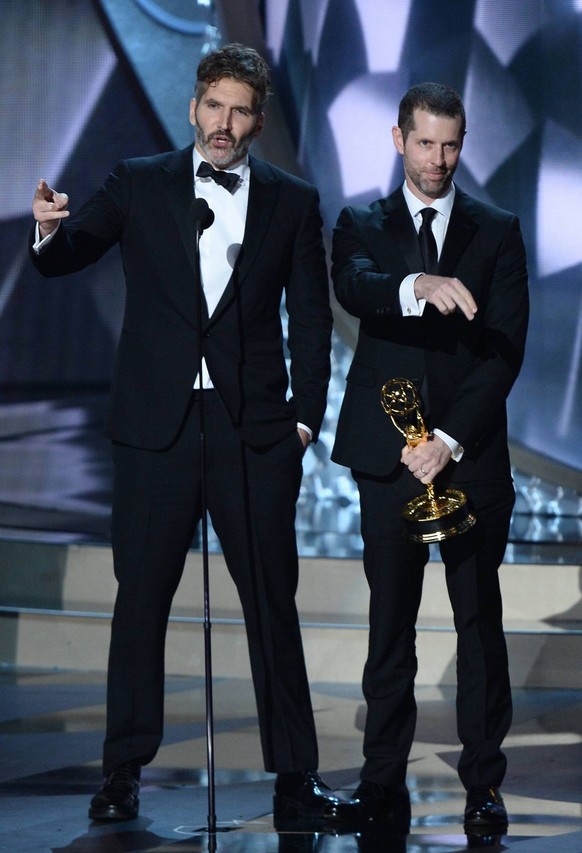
(50, 740)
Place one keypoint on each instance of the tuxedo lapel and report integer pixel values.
(178, 176)
(263, 195)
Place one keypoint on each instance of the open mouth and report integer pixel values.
(221, 141)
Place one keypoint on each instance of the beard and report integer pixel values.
(223, 157)
(432, 189)
(429, 188)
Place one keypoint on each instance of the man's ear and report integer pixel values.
(398, 139)
(260, 124)
(192, 114)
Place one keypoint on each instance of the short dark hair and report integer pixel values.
(434, 98)
(240, 63)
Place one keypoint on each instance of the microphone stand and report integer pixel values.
(204, 217)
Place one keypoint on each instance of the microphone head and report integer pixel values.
(203, 216)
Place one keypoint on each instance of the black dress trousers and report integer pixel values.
(251, 497)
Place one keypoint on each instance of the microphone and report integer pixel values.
(203, 216)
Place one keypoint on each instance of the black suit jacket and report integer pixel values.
(469, 367)
(145, 206)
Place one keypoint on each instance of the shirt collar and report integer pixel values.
(443, 205)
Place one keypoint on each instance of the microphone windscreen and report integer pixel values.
(203, 216)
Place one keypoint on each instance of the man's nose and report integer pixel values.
(439, 156)
(226, 119)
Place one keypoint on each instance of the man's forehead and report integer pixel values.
(229, 85)
(424, 120)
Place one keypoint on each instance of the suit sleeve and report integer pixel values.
(310, 318)
(361, 287)
(87, 235)
(496, 344)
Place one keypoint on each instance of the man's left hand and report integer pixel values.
(305, 438)
(427, 459)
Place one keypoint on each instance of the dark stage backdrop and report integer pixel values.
(85, 83)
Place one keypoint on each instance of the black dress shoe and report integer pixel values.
(485, 808)
(383, 804)
(299, 842)
(380, 838)
(303, 801)
(478, 841)
(117, 798)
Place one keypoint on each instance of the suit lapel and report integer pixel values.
(398, 223)
(461, 230)
(263, 195)
(179, 186)
(178, 179)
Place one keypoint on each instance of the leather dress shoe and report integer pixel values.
(378, 838)
(303, 800)
(485, 808)
(385, 804)
(482, 839)
(117, 798)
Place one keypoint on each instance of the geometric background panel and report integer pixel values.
(559, 234)
(384, 27)
(506, 29)
(82, 69)
(371, 102)
(491, 96)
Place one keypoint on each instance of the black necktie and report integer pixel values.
(228, 180)
(427, 241)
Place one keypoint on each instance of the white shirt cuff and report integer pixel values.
(307, 430)
(409, 304)
(456, 449)
(41, 242)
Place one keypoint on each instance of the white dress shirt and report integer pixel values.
(411, 306)
(221, 243)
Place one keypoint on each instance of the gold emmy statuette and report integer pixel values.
(429, 517)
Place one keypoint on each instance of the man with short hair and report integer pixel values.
(453, 321)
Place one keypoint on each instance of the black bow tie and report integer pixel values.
(228, 180)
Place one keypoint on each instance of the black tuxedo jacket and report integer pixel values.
(469, 366)
(145, 205)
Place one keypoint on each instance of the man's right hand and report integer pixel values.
(48, 207)
(446, 294)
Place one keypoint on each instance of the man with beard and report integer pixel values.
(265, 244)
(448, 313)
